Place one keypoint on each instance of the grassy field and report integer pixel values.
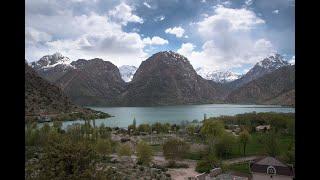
(156, 148)
(241, 167)
(256, 147)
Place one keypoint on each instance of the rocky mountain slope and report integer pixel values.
(167, 78)
(44, 98)
(277, 87)
(263, 67)
(127, 72)
(87, 82)
(217, 76)
(92, 82)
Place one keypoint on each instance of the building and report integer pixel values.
(263, 128)
(270, 168)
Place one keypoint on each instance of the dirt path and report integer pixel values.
(179, 173)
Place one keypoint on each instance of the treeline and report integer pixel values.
(284, 122)
(153, 128)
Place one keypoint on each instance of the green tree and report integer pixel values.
(131, 128)
(175, 149)
(104, 132)
(103, 146)
(134, 123)
(191, 129)
(124, 150)
(144, 153)
(207, 163)
(271, 144)
(212, 129)
(144, 128)
(65, 159)
(244, 138)
(224, 144)
(289, 156)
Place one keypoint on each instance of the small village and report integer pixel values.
(215, 148)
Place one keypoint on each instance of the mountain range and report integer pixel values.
(217, 76)
(267, 65)
(166, 78)
(42, 98)
(277, 87)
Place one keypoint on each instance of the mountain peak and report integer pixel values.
(267, 65)
(216, 75)
(127, 72)
(49, 61)
(171, 55)
(274, 62)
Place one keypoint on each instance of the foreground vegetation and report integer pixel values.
(88, 152)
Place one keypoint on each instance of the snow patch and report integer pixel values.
(127, 72)
(217, 76)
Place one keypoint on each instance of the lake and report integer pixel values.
(123, 116)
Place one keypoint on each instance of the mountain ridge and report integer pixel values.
(43, 98)
(277, 87)
(166, 77)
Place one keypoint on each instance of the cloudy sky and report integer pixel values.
(217, 34)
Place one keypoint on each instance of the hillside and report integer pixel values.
(44, 98)
(277, 87)
(167, 78)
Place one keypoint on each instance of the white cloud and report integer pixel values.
(248, 2)
(186, 49)
(34, 36)
(226, 3)
(159, 18)
(217, 58)
(103, 39)
(228, 19)
(123, 13)
(156, 40)
(87, 36)
(227, 40)
(147, 5)
(276, 11)
(177, 31)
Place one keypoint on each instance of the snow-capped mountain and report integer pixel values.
(49, 61)
(217, 76)
(127, 72)
(267, 65)
(272, 62)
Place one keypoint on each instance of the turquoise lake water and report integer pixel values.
(123, 116)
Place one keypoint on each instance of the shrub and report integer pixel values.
(124, 150)
(103, 146)
(203, 166)
(174, 149)
(144, 153)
